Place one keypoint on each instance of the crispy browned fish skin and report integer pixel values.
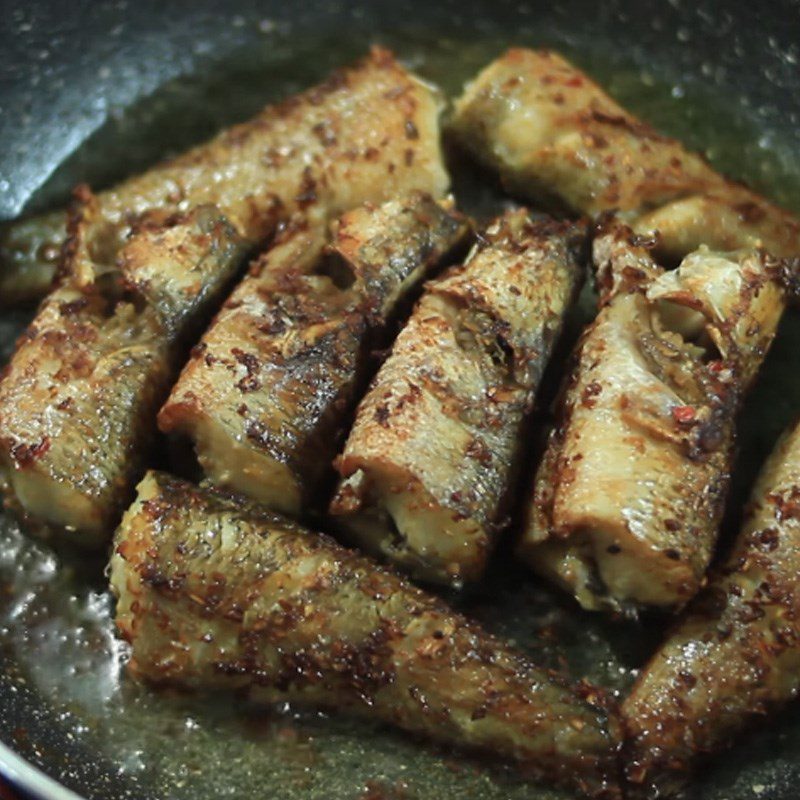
(432, 454)
(631, 488)
(736, 654)
(268, 389)
(217, 593)
(369, 132)
(554, 134)
(79, 397)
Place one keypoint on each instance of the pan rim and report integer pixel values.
(21, 774)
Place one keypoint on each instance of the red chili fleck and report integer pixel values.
(683, 414)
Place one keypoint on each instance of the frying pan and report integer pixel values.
(96, 90)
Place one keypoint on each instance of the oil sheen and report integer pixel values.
(65, 701)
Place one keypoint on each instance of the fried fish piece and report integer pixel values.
(554, 135)
(630, 491)
(267, 391)
(29, 255)
(432, 455)
(216, 593)
(78, 399)
(735, 656)
(369, 132)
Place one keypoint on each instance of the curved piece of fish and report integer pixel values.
(554, 135)
(369, 132)
(431, 458)
(735, 656)
(78, 399)
(630, 491)
(215, 593)
(267, 393)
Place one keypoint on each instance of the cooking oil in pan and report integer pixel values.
(65, 701)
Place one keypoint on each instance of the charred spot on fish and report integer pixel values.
(687, 678)
(590, 392)
(768, 539)
(750, 212)
(478, 450)
(711, 436)
(307, 195)
(325, 133)
(711, 602)
(74, 307)
(382, 415)
(25, 455)
(250, 382)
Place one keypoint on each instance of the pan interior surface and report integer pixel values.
(66, 704)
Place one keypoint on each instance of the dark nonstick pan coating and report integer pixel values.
(96, 90)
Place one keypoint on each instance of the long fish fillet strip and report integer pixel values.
(268, 392)
(433, 454)
(215, 593)
(630, 491)
(369, 132)
(735, 656)
(554, 135)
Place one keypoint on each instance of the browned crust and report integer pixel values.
(734, 657)
(683, 421)
(282, 365)
(290, 615)
(369, 131)
(553, 134)
(443, 417)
